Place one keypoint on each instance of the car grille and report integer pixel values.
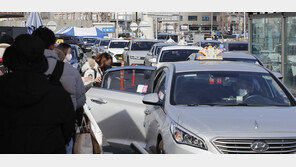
(243, 146)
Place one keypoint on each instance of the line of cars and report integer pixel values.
(207, 102)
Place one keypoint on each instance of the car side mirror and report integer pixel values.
(153, 60)
(105, 47)
(151, 99)
(126, 48)
(278, 75)
(149, 54)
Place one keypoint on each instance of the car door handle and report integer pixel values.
(147, 112)
(99, 101)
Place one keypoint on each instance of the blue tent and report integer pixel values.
(82, 32)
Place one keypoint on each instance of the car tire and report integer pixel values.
(160, 149)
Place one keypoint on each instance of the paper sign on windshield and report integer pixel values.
(142, 88)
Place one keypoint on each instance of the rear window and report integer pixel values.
(142, 45)
(176, 55)
(104, 43)
(140, 83)
(118, 44)
(238, 47)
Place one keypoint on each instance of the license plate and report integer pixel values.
(119, 58)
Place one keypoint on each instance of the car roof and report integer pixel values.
(145, 40)
(238, 42)
(119, 40)
(175, 47)
(165, 44)
(131, 67)
(216, 66)
(210, 41)
(235, 55)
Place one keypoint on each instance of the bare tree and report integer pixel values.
(222, 20)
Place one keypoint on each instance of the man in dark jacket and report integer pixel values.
(36, 116)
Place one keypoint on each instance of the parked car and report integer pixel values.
(136, 51)
(196, 107)
(167, 36)
(174, 54)
(102, 46)
(242, 47)
(116, 49)
(203, 44)
(154, 51)
(78, 57)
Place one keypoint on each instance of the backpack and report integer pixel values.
(55, 76)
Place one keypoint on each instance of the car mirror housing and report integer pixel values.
(152, 99)
(153, 60)
(105, 47)
(126, 48)
(278, 75)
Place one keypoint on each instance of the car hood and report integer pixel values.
(138, 53)
(235, 119)
(116, 50)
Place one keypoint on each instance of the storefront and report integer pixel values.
(273, 40)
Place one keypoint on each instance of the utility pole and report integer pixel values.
(211, 24)
(125, 23)
(116, 26)
(244, 25)
(136, 21)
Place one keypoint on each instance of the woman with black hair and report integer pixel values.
(36, 116)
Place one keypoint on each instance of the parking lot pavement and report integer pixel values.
(112, 150)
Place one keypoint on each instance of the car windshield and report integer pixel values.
(142, 45)
(176, 55)
(135, 81)
(238, 47)
(118, 44)
(89, 40)
(158, 48)
(252, 61)
(104, 42)
(213, 44)
(227, 88)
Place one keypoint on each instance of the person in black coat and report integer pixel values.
(36, 116)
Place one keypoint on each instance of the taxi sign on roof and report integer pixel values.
(210, 53)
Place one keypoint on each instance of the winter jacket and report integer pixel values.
(3, 46)
(36, 116)
(91, 69)
(71, 79)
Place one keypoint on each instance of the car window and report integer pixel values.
(140, 78)
(227, 88)
(104, 42)
(176, 55)
(160, 87)
(238, 47)
(207, 44)
(142, 45)
(118, 44)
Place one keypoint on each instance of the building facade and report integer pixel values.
(272, 38)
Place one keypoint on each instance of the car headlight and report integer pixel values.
(181, 136)
(135, 57)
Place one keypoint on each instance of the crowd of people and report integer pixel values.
(42, 95)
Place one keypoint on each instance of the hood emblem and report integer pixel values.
(256, 125)
(259, 146)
